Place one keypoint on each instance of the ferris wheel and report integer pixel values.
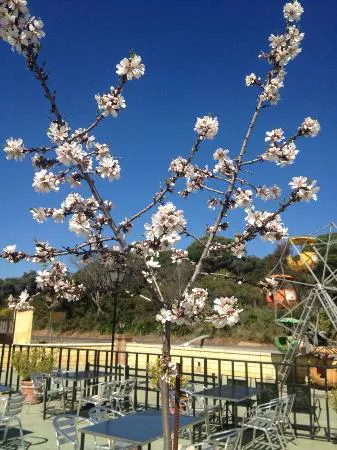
(306, 296)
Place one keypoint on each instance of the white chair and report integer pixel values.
(105, 391)
(66, 431)
(266, 418)
(11, 415)
(101, 414)
(226, 440)
(124, 397)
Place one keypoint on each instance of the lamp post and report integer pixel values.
(116, 276)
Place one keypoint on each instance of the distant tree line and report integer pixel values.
(233, 276)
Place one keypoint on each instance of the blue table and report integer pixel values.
(4, 388)
(139, 429)
(75, 377)
(231, 394)
(228, 392)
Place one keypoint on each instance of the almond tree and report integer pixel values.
(75, 158)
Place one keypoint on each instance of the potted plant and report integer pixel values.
(28, 362)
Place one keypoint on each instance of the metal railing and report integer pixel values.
(208, 371)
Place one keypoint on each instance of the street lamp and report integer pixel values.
(116, 275)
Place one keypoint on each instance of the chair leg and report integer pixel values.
(5, 434)
(254, 434)
(21, 434)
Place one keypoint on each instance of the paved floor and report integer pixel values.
(40, 435)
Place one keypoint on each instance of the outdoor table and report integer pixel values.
(138, 429)
(228, 393)
(4, 388)
(75, 377)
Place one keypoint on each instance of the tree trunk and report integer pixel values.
(164, 390)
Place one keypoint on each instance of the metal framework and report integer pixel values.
(319, 293)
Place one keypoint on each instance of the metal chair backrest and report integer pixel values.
(66, 430)
(101, 413)
(289, 404)
(127, 387)
(13, 407)
(273, 409)
(38, 380)
(267, 391)
(108, 388)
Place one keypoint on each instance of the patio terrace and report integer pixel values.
(39, 433)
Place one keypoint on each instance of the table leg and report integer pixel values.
(44, 400)
(82, 441)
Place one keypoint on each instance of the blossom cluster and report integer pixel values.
(304, 189)
(12, 255)
(84, 220)
(191, 309)
(225, 312)
(267, 224)
(225, 165)
(207, 127)
(178, 256)
(131, 67)
(166, 226)
(111, 103)
(56, 284)
(268, 193)
(19, 28)
(22, 303)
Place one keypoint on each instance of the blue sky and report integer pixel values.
(196, 55)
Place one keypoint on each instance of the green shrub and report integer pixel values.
(35, 360)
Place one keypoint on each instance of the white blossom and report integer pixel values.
(293, 11)
(178, 256)
(70, 153)
(225, 165)
(166, 224)
(57, 132)
(17, 27)
(14, 149)
(39, 214)
(109, 168)
(226, 312)
(275, 135)
(58, 215)
(268, 193)
(153, 264)
(165, 315)
(207, 127)
(282, 155)
(250, 79)
(80, 224)
(45, 182)
(179, 166)
(243, 198)
(310, 127)
(131, 67)
(305, 189)
(20, 304)
(110, 103)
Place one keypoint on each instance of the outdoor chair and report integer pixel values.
(227, 440)
(305, 403)
(65, 427)
(266, 419)
(123, 399)
(58, 391)
(101, 414)
(105, 391)
(267, 391)
(11, 416)
(195, 405)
